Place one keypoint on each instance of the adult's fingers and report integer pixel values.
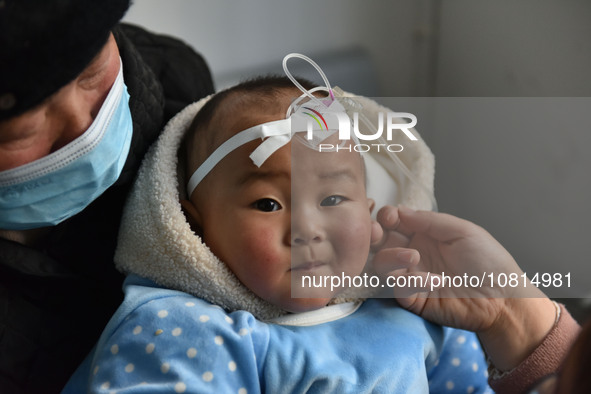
(414, 285)
(440, 226)
(392, 259)
(388, 218)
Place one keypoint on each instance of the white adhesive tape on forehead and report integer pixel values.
(277, 134)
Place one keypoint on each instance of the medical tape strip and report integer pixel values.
(277, 134)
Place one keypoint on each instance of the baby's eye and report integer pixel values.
(267, 205)
(332, 201)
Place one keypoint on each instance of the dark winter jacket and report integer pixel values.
(56, 298)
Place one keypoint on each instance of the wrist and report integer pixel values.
(521, 326)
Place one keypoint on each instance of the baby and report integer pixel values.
(256, 232)
(302, 213)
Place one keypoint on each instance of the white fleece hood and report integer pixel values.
(156, 240)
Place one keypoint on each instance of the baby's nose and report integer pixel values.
(306, 229)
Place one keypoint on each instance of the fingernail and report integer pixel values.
(406, 256)
(388, 216)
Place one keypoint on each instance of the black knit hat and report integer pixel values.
(45, 44)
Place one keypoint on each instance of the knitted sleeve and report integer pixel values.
(544, 361)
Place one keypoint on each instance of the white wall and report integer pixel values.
(515, 48)
(237, 35)
(523, 172)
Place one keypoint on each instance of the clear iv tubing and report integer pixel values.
(294, 104)
(402, 166)
(299, 86)
(362, 116)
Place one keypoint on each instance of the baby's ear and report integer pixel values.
(192, 216)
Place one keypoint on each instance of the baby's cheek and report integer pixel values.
(353, 248)
(263, 246)
(355, 234)
(265, 265)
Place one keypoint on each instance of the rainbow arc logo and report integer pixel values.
(316, 117)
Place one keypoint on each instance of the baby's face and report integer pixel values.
(301, 213)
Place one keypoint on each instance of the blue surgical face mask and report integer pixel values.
(58, 186)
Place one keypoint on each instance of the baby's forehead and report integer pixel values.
(333, 164)
(307, 160)
(238, 114)
(240, 111)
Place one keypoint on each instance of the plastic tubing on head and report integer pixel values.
(294, 104)
(402, 166)
(299, 86)
(364, 119)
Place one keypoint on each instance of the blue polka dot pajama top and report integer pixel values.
(166, 341)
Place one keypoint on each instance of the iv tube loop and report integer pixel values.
(299, 86)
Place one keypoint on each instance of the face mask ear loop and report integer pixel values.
(299, 86)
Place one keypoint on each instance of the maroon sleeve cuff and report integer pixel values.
(544, 361)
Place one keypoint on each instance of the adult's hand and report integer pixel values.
(461, 264)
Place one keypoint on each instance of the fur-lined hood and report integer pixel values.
(156, 240)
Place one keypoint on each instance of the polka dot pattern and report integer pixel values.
(465, 361)
(182, 344)
(180, 387)
(243, 331)
(207, 376)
